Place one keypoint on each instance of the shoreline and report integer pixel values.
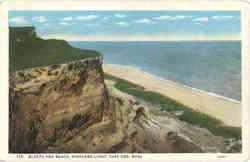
(182, 85)
(197, 99)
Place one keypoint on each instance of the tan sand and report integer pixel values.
(225, 109)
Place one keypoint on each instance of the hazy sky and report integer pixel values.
(131, 25)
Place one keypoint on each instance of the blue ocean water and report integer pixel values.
(213, 66)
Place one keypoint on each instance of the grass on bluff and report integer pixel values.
(27, 50)
(190, 116)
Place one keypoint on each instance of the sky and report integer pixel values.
(131, 25)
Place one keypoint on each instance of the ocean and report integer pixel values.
(212, 66)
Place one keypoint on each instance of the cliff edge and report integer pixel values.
(68, 107)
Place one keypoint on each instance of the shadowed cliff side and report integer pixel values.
(67, 108)
(44, 100)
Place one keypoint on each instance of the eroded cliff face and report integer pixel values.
(50, 105)
(68, 108)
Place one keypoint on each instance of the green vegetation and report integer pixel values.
(190, 116)
(27, 50)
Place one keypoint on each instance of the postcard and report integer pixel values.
(124, 81)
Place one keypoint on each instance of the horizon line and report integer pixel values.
(152, 40)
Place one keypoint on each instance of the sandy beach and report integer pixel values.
(225, 109)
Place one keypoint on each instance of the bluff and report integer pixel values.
(68, 107)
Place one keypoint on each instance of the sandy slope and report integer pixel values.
(229, 111)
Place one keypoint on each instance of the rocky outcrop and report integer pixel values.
(68, 108)
(49, 105)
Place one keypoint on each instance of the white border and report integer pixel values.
(128, 5)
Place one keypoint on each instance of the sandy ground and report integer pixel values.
(227, 110)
